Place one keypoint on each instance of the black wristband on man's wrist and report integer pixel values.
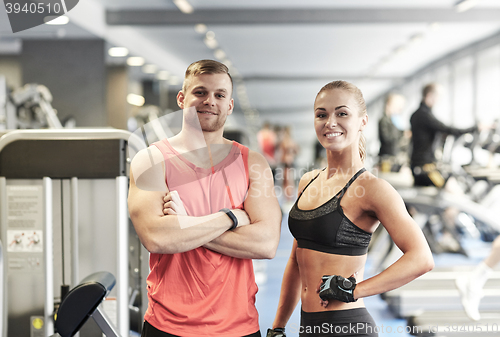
(231, 216)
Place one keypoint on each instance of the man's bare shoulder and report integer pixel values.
(147, 169)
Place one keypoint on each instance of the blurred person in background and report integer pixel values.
(268, 140)
(288, 150)
(425, 128)
(391, 134)
(471, 286)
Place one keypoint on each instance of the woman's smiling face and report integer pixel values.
(337, 119)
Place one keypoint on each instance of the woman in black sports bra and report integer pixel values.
(332, 221)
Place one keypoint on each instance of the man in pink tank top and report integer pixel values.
(221, 212)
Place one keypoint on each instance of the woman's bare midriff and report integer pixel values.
(313, 265)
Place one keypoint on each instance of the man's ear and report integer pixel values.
(180, 99)
(231, 107)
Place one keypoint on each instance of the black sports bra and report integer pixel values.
(326, 228)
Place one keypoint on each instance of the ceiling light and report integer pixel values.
(210, 40)
(435, 26)
(136, 100)
(56, 20)
(135, 61)
(465, 5)
(220, 54)
(210, 35)
(210, 43)
(184, 6)
(118, 52)
(200, 28)
(149, 69)
(417, 38)
(163, 75)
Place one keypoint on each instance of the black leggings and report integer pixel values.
(350, 322)
(150, 331)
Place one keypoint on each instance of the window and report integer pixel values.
(488, 85)
(463, 93)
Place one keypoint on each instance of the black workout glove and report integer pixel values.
(338, 288)
(277, 332)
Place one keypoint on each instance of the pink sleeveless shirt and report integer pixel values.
(202, 292)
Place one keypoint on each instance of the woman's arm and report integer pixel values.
(291, 283)
(387, 205)
(290, 291)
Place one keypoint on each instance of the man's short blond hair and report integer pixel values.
(205, 67)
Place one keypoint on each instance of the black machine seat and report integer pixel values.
(82, 302)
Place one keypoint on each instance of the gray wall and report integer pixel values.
(116, 101)
(75, 73)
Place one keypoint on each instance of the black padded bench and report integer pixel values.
(83, 302)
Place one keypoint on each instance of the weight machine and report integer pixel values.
(63, 212)
(28, 107)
